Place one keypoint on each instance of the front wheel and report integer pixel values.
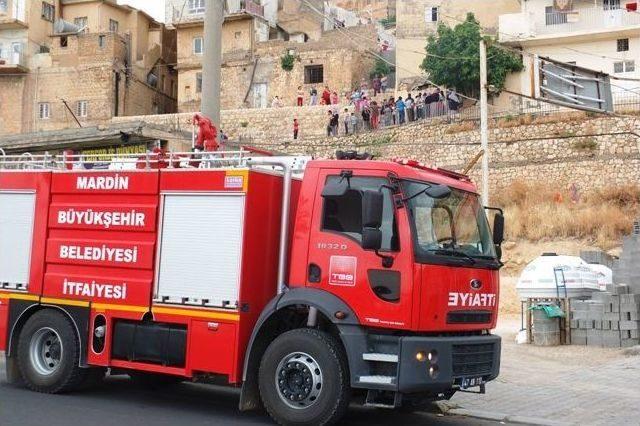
(304, 379)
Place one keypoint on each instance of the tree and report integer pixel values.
(453, 58)
(381, 68)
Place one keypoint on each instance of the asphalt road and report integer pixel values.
(117, 403)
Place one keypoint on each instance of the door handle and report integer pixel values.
(314, 274)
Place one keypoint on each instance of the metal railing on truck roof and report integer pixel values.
(148, 161)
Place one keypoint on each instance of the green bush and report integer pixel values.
(287, 61)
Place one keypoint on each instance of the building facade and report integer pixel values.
(375, 10)
(254, 40)
(597, 34)
(82, 62)
(416, 20)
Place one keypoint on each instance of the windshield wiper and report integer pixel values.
(456, 253)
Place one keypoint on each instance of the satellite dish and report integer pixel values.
(64, 27)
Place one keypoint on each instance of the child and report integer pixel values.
(347, 120)
(300, 96)
(354, 123)
(296, 128)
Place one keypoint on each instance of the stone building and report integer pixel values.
(376, 10)
(416, 20)
(254, 39)
(99, 60)
(597, 34)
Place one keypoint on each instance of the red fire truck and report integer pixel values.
(362, 280)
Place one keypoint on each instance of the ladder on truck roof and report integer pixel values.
(150, 160)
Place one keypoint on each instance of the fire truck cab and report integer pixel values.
(362, 280)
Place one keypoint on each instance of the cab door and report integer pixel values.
(380, 295)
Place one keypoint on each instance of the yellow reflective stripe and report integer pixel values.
(66, 302)
(197, 314)
(126, 308)
(31, 297)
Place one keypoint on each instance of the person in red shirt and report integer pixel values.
(207, 134)
(296, 128)
(326, 96)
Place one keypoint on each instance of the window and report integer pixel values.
(611, 4)
(198, 45)
(629, 66)
(102, 41)
(64, 41)
(456, 223)
(48, 11)
(554, 17)
(44, 110)
(313, 74)
(81, 22)
(624, 66)
(344, 214)
(623, 45)
(44, 49)
(431, 14)
(81, 108)
(199, 82)
(113, 26)
(196, 6)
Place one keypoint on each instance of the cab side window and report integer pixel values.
(343, 214)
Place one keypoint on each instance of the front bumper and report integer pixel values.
(458, 357)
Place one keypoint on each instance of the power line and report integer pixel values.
(337, 27)
(519, 38)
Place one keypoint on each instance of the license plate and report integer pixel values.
(471, 382)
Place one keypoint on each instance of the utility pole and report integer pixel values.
(212, 59)
(484, 122)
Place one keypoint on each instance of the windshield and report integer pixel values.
(454, 226)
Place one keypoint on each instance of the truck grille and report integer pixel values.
(473, 360)
(469, 317)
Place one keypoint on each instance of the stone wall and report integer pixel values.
(252, 76)
(590, 152)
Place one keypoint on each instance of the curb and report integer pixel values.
(506, 418)
(451, 409)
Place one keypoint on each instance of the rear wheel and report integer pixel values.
(49, 353)
(304, 379)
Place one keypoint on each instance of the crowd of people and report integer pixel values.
(365, 110)
(365, 115)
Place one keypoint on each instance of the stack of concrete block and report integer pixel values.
(609, 319)
(597, 257)
(627, 268)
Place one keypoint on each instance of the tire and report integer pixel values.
(151, 380)
(298, 357)
(49, 353)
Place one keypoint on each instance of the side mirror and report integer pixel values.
(498, 229)
(371, 238)
(438, 192)
(337, 189)
(372, 205)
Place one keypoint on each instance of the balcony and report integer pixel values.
(236, 9)
(13, 15)
(577, 22)
(13, 63)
